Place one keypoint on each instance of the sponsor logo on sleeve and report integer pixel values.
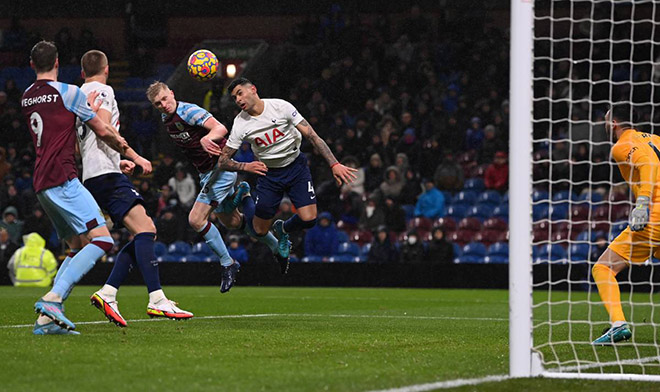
(630, 154)
(294, 114)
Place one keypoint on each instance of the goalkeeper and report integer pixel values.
(638, 155)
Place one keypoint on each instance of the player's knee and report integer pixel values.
(196, 222)
(260, 231)
(308, 224)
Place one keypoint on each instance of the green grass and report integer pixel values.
(310, 339)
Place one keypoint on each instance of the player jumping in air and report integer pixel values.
(638, 156)
(196, 131)
(50, 109)
(274, 129)
(102, 176)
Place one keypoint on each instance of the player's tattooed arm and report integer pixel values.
(227, 164)
(342, 174)
(319, 144)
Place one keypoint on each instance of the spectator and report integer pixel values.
(372, 215)
(412, 250)
(357, 186)
(167, 199)
(66, 46)
(12, 224)
(244, 154)
(150, 199)
(236, 250)
(184, 187)
(165, 170)
(169, 227)
(382, 250)
(431, 203)
(258, 252)
(322, 239)
(5, 167)
(144, 128)
(496, 176)
(395, 216)
(32, 265)
(393, 183)
(411, 147)
(474, 136)
(38, 222)
(411, 189)
(441, 251)
(7, 246)
(492, 144)
(374, 173)
(449, 174)
(24, 182)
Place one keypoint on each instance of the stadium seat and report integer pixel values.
(550, 253)
(559, 212)
(591, 197)
(495, 224)
(312, 259)
(498, 253)
(343, 236)
(410, 211)
(348, 248)
(540, 196)
(579, 252)
(420, 223)
(464, 198)
(586, 236)
(192, 258)
(564, 196)
(462, 237)
(600, 226)
(346, 226)
(618, 227)
(201, 249)
(361, 237)
(618, 197)
(178, 249)
(505, 198)
(480, 211)
(579, 212)
(160, 249)
(501, 212)
(620, 211)
(458, 250)
(540, 212)
(474, 184)
(488, 237)
(457, 212)
(474, 252)
(577, 228)
(601, 213)
(133, 82)
(447, 223)
(471, 224)
(364, 251)
(490, 198)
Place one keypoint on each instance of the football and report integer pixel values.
(202, 65)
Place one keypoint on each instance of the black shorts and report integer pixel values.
(115, 195)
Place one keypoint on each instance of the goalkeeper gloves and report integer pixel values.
(639, 216)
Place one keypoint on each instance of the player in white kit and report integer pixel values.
(274, 129)
(103, 176)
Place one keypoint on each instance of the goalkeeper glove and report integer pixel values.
(639, 216)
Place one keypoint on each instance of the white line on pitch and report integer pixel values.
(634, 361)
(231, 316)
(447, 384)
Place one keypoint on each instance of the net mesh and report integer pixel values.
(588, 54)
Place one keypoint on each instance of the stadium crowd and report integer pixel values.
(421, 115)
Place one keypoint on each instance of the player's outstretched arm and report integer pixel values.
(216, 132)
(108, 134)
(343, 174)
(227, 164)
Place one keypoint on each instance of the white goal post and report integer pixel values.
(553, 319)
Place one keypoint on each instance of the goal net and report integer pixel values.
(587, 54)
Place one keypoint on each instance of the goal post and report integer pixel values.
(569, 60)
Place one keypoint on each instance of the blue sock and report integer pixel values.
(123, 262)
(269, 239)
(248, 211)
(63, 267)
(293, 224)
(214, 240)
(146, 260)
(81, 263)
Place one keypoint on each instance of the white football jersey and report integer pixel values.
(273, 135)
(98, 158)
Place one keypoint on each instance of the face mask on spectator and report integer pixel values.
(370, 211)
(412, 240)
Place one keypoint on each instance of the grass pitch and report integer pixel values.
(270, 339)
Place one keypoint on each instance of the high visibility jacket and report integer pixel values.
(32, 265)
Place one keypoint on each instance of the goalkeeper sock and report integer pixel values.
(608, 288)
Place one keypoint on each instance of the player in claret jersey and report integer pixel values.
(275, 129)
(102, 176)
(197, 132)
(50, 109)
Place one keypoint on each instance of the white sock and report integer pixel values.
(617, 324)
(42, 320)
(156, 296)
(109, 292)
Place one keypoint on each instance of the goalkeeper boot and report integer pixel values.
(229, 276)
(283, 243)
(54, 310)
(614, 335)
(110, 309)
(51, 329)
(235, 201)
(169, 309)
(283, 261)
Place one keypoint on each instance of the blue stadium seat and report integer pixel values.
(192, 258)
(551, 253)
(481, 211)
(490, 198)
(540, 212)
(498, 253)
(540, 196)
(346, 259)
(591, 197)
(348, 248)
(457, 212)
(160, 249)
(365, 249)
(178, 249)
(505, 198)
(458, 251)
(343, 236)
(579, 252)
(312, 259)
(618, 227)
(201, 249)
(564, 195)
(502, 212)
(474, 184)
(464, 198)
(558, 212)
(474, 252)
(133, 82)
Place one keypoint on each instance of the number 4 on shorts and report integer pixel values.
(310, 189)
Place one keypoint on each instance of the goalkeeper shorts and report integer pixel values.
(638, 246)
